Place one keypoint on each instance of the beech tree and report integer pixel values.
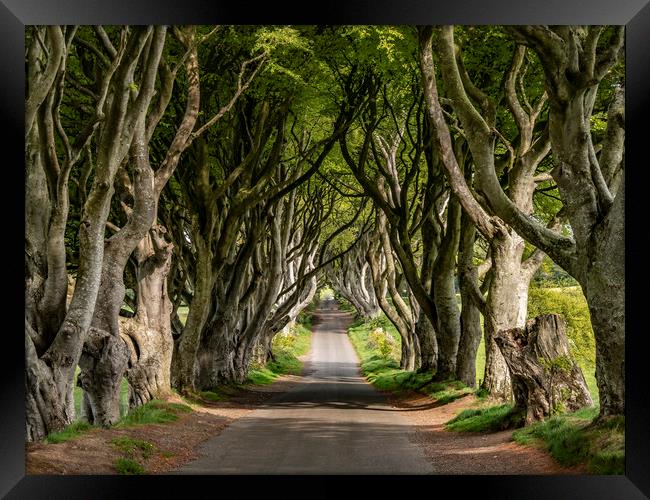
(576, 55)
(54, 334)
(230, 172)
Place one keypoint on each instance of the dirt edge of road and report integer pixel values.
(174, 443)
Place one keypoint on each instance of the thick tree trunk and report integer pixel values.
(105, 355)
(444, 295)
(605, 293)
(216, 355)
(149, 331)
(502, 310)
(546, 377)
(49, 377)
(103, 363)
(448, 331)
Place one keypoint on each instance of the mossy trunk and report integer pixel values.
(545, 377)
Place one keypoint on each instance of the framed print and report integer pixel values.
(15, 18)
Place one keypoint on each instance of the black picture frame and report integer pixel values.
(15, 14)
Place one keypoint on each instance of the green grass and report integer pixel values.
(383, 371)
(575, 438)
(490, 419)
(154, 412)
(71, 432)
(212, 396)
(127, 466)
(132, 447)
(286, 350)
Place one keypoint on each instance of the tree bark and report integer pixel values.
(444, 296)
(149, 331)
(49, 377)
(546, 377)
(470, 318)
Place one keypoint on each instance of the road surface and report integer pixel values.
(332, 422)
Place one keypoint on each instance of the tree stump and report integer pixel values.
(545, 377)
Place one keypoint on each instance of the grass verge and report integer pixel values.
(286, 350)
(380, 365)
(134, 447)
(71, 432)
(576, 438)
(154, 412)
(488, 419)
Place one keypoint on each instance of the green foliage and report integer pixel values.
(154, 412)
(70, 432)
(381, 341)
(133, 447)
(382, 370)
(344, 305)
(577, 438)
(211, 396)
(129, 467)
(490, 419)
(570, 303)
(287, 347)
(549, 274)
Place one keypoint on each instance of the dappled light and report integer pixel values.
(321, 249)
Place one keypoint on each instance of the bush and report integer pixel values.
(381, 341)
(284, 341)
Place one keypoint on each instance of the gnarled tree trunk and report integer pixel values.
(149, 331)
(545, 376)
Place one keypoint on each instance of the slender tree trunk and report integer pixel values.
(255, 327)
(184, 360)
(470, 317)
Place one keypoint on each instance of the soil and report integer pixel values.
(470, 453)
(175, 442)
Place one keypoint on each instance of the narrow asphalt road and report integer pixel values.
(333, 422)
